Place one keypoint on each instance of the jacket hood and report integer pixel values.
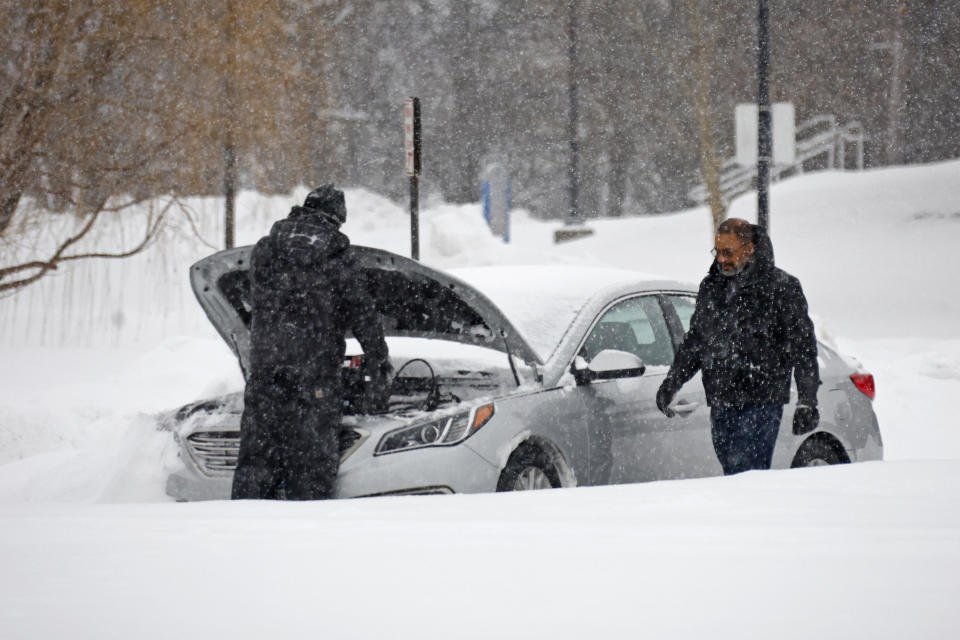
(307, 236)
(762, 248)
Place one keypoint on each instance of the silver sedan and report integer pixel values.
(512, 378)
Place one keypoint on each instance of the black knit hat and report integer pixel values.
(328, 200)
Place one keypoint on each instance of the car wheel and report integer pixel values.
(817, 453)
(527, 469)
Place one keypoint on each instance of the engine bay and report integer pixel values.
(416, 386)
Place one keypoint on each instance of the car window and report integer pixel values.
(635, 325)
(684, 306)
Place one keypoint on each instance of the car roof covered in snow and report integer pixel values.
(542, 301)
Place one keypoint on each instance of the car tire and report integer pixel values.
(528, 468)
(818, 452)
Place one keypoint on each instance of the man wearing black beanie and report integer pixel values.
(306, 292)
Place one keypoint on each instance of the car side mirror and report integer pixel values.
(609, 364)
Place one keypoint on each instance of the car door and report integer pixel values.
(630, 440)
(701, 459)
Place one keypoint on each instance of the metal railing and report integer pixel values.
(815, 137)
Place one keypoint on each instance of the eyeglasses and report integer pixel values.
(726, 253)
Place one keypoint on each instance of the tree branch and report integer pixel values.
(58, 257)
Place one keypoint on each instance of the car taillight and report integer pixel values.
(864, 382)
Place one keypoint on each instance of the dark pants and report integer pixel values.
(744, 437)
(289, 440)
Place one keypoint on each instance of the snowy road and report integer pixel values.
(870, 550)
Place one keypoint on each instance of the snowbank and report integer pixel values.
(875, 251)
(863, 551)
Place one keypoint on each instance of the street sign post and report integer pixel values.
(411, 148)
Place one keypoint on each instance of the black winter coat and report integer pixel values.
(748, 335)
(306, 292)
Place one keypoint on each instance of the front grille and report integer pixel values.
(215, 452)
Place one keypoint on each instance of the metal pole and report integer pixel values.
(412, 143)
(229, 153)
(229, 192)
(573, 216)
(415, 217)
(764, 142)
(860, 150)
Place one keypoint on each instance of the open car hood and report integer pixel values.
(414, 300)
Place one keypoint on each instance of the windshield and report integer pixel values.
(542, 301)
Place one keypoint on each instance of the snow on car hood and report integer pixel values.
(415, 301)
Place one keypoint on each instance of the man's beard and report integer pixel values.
(733, 271)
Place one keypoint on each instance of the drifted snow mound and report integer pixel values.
(80, 425)
(458, 234)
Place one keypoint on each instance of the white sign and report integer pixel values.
(746, 134)
(408, 145)
(783, 135)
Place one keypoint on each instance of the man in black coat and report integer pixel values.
(749, 332)
(306, 292)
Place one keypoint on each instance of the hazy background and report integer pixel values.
(150, 97)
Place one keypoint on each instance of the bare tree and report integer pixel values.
(897, 80)
(62, 60)
(107, 103)
(55, 51)
(16, 276)
(238, 60)
(704, 51)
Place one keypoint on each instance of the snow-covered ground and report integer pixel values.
(91, 547)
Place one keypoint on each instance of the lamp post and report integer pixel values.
(764, 145)
(573, 226)
(573, 215)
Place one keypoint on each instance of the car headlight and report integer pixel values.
(439, 432)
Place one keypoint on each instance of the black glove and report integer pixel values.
(376, 399)
(805, 420)
(664, 397)
(376, 392)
